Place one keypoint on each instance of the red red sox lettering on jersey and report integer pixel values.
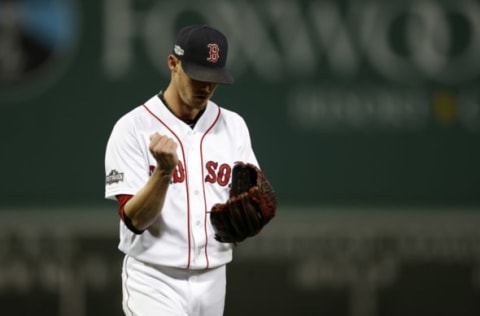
(216, 173)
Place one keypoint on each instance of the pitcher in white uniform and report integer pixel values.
(167, 163)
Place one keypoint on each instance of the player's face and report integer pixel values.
(194, 93)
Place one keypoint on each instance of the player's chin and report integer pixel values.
(200, 101)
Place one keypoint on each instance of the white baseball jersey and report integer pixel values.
(183, 235)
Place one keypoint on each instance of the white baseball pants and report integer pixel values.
(150, 290)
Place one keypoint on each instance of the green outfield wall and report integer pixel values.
(348, 102)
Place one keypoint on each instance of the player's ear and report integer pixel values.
(173, 62)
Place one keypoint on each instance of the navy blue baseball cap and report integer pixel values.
(203, 52)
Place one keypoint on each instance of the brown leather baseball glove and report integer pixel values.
(251, 205)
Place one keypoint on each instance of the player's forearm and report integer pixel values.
(145, 207)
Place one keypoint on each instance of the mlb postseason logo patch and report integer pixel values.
(114, 177)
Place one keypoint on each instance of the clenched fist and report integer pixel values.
(164, 150)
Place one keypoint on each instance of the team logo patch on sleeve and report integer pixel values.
(114, 177)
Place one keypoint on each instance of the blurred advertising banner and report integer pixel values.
(333, 262)
(349, 102)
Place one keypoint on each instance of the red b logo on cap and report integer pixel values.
(213, 53)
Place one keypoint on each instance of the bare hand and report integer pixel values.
(164, 150)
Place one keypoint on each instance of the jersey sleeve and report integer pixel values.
(126, 160)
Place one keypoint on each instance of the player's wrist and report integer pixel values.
(163, 173)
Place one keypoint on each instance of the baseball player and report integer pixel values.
(169, 163)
